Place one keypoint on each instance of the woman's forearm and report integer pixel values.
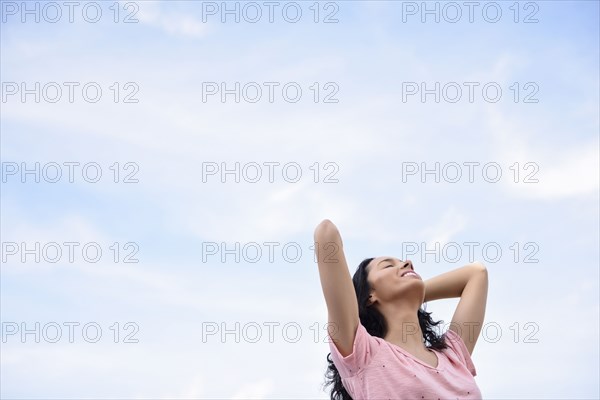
(452, 283)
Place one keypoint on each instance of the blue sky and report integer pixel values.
(368, 135)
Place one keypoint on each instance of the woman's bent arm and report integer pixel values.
(337, 286)
(470, 283)
(450, 284)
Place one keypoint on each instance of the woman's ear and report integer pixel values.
(370, 301)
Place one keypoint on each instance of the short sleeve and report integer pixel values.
(363, 350)
(458, 346)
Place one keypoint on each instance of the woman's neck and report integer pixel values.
(404, 330)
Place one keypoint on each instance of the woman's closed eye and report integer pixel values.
(389, 266)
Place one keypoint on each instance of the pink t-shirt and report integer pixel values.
(378, 369)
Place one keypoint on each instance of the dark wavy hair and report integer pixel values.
(375, 324)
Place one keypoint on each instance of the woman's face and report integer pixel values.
(391, 278)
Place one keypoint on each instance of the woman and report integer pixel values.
(379, 332)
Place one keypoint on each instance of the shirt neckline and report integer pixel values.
(437, 353)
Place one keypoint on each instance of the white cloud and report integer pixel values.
(275, 213)
(195, 388)
(561, 172)
(450, 224)
(256, 390)
(173, 23)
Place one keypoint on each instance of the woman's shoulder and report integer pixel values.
(458, 349)
(364, 349)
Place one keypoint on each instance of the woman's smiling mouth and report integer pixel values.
(409, 273)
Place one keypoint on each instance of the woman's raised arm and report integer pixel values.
(337, 286)
(470, 283)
